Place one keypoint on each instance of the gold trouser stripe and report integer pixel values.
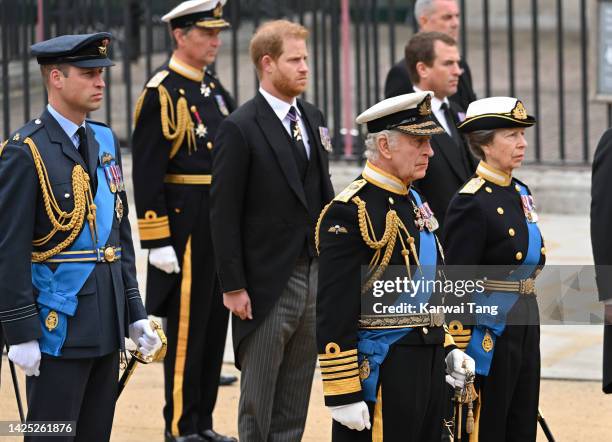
(474, 435)
(175, 178)
(377, 422)
(181, 341)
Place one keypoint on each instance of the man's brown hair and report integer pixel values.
(421, 48)
(45, 71)
(269, 37)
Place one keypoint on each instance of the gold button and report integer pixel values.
(516, 186)
(177, 210)
(391, 201)
(212, 85)
(66, 195)
(500, 210)
(425, 330)
(543, 250)
(488, 189)
(511, 231)
(194, 109)
(182, 91)
(519, 256)
(209, 145)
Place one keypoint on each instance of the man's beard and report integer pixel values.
(286, 87)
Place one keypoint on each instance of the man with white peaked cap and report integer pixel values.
(383, 374)
(176, 120)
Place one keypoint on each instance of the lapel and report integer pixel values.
(58, 136)
(276, 136)
(93, 150)
(450, 151)
(312, 117)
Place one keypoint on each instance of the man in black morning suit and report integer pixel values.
(67, 264)
(434, 16)
(433, 61)
(270, 181)
(177, 118)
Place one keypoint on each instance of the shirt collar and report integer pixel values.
(436, 103)
(186, 70)
(67, 126)
(280, 107)
(384, 180)
(496, 176)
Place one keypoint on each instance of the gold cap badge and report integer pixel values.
(519, 111)
(218, 12)
(425, 106)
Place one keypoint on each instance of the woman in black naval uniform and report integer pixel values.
(387, 366)
(491, 223)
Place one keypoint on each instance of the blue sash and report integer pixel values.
(496, 324)
(374, 344)
(58, 290)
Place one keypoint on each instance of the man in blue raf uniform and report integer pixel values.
(177, 117)
(388, 366)
(67, 273)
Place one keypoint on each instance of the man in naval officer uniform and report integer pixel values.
(389, 367)
(68, 279)
(176, 119)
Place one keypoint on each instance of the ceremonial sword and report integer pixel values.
(143, 359)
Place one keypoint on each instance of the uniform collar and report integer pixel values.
(384, 180)
(280, 107)
(186, 70)
(67, 126)
(496, 176)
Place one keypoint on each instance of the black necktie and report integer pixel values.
(83, 146)
(296, 136)
(450, 122)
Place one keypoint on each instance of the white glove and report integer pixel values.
(164, 258)
(457, 363)
(26, 356)
(144, 337)
(355, 416)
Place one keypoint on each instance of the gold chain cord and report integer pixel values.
(318, 227)
(180, 126)
(64, 221)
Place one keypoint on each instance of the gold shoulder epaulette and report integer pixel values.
(157, 79)
(472, 186)
(350, 191)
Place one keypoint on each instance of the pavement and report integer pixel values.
(571, 397)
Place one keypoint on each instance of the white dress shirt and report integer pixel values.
(281, 109)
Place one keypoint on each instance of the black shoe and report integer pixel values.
(227, 380)
(195, 437)
(213, 436)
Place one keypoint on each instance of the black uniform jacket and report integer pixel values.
(259, 215)
(343, 258)
(398, 83)
(601, 217)
(167, 211)
(155, 199)
(109, 300)
(450, 167)
(485, 226)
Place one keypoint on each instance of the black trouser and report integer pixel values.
(411, 386)
(509, 395)
(81, 390)
(196, 326)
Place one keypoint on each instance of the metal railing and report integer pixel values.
(539, 60)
